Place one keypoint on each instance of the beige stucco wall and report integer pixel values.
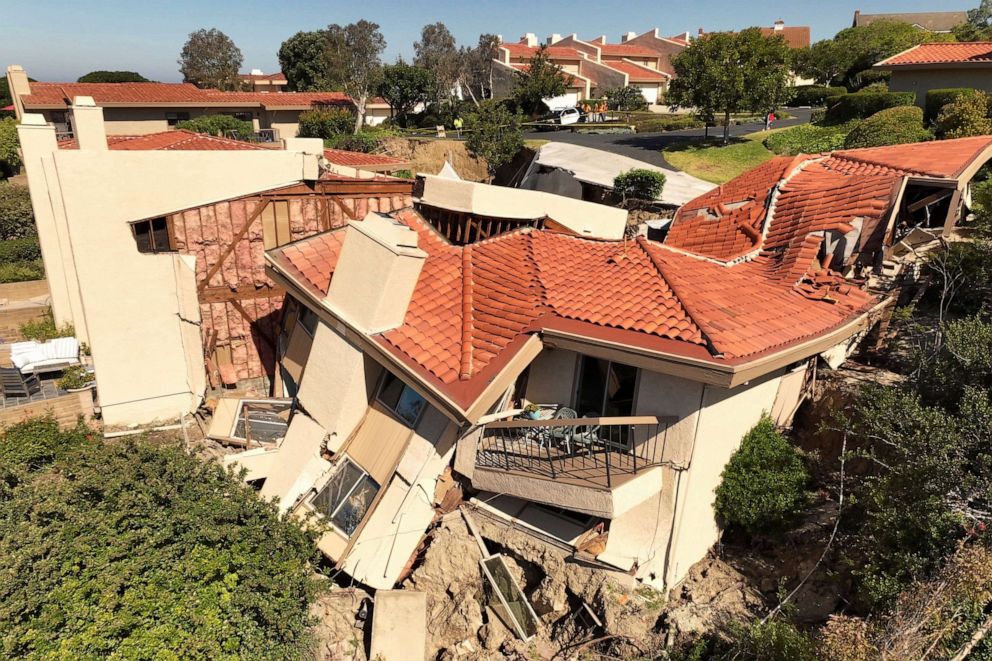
(921, 81)
(337, 384)
(137, 311)
(552, 376)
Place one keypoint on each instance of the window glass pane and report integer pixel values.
(337, 488)
(410, 406)
(391, 390)
(592, 384)
(620, 390)
(355, 505)
(308, 319)
(160, 235)
(143, 236)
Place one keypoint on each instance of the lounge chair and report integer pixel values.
(36, 357)
(15, 384)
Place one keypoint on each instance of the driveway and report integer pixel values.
(647, 147)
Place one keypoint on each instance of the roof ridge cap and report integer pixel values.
(468, 320)
(642, 244)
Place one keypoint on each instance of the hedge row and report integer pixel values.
(892, 126)
(22, 271)
(938, 98)
(814, 95)
(808, 139)
(19, 250)
(860, 105)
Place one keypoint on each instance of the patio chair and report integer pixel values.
(15, 384)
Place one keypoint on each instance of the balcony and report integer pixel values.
(597, 465)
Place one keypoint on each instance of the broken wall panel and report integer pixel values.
(238, 302)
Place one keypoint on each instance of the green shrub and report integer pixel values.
(938, 98)
(893, 126)
(134, 550)
(112, 77)
(860, 105)
(965, 116)
(20, 250)
(367, 140)
(664, 122)
(638, 184)
(763, 486)
(221, 125)
(45, 329)
(814, 95)
(16, 214)
(10, 158)
(808, 139)
(326, 123)
(22, 271)
(75, 377)
(625, 98)
(774, 640)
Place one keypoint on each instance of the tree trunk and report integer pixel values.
(726, 127)
(360, 115)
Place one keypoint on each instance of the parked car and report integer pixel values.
(562, 117)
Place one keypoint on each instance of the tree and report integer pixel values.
(541, 79)
(822, 62)
(967, 115)
(494, 134)
(134, 550)
(326, 123)
(404, 86)
(354, 64)
(731, 72)
(625, 98)
(16, 212)
(436, 52)
(302, 60)
(210, 59)
(979, 24)
(10, 156)
(475, 72)
(113, 77)
(638, 184)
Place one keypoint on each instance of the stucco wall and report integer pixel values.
(139, 121)
(921, 81)
(552, 376)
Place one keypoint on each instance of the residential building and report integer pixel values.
(257, 81)
(156, 256)
(938, 66)
(796, 36)
(516, 57)
(414, 350)
(932, 21)
(138, 108)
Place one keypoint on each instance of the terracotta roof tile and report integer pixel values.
(968, 52)
(796, 36)
(637, 72)
(175, 140)
(626, 50)
(357, 159)
(554, 52)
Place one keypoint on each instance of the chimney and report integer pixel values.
(256, 72)
(857, 15)
(376, 273)
(601, 39)
(553, 38)
(530, 39)
(685, 36)
(18, 84)
(701, 32)
(627, 36)
(87, 124)
(779, 25)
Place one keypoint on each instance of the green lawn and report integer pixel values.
(716, 163)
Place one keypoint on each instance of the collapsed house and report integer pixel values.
(154, 250)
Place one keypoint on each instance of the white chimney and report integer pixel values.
(87, 124)
(376, 273)
(627, 36)
(257, 72)
(779, 25)
(18, 84)
(553, 38)
(601, 39)
(530, 39)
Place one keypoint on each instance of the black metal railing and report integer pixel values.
(594, 451)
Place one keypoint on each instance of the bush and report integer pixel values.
(45, 329)
(22, 271)
(625, 98)
(638, 184)
(112, 77)
(844, 108)
(10, 159)
(808, 139)
(814, 95)
(763, 486)
(938, 98)
(965, 116)
(132, 550)
(20, 250)
(325, 123)
(774, 640)
(221, 125)
(16, 214)
(894, 126)
(75, 377)
(367, 140)
(494, 134)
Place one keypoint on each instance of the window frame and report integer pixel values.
(329, 517)
(306, 313)
(154, 249)
(383, 381)
(173, 118)
(609, 367)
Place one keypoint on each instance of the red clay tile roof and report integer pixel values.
(636, 72)
(810, 195)
(356, 159)
(796, 36)
(626, 50)
(969, 52)
(935, 21)
(264, 76)
(62, 94)
(175, 140)
(473, 303)
(554, 52)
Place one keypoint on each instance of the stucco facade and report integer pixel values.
(922, 80)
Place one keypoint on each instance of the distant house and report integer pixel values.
(796, 36)
(256, 81)
(931, 21)
(940, 65)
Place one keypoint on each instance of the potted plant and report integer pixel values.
(76, 378)
(532, 411)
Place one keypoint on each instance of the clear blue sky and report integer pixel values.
(60, 40)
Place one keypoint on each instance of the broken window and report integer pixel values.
(401, 399)
(265, 421)
(346, 497)
(152, 236)
(605, 388)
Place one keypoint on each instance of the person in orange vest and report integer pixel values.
(585, 112)
(601, 109)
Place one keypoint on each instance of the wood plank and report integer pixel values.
(249, 293)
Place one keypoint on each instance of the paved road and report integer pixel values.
(647, 146)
